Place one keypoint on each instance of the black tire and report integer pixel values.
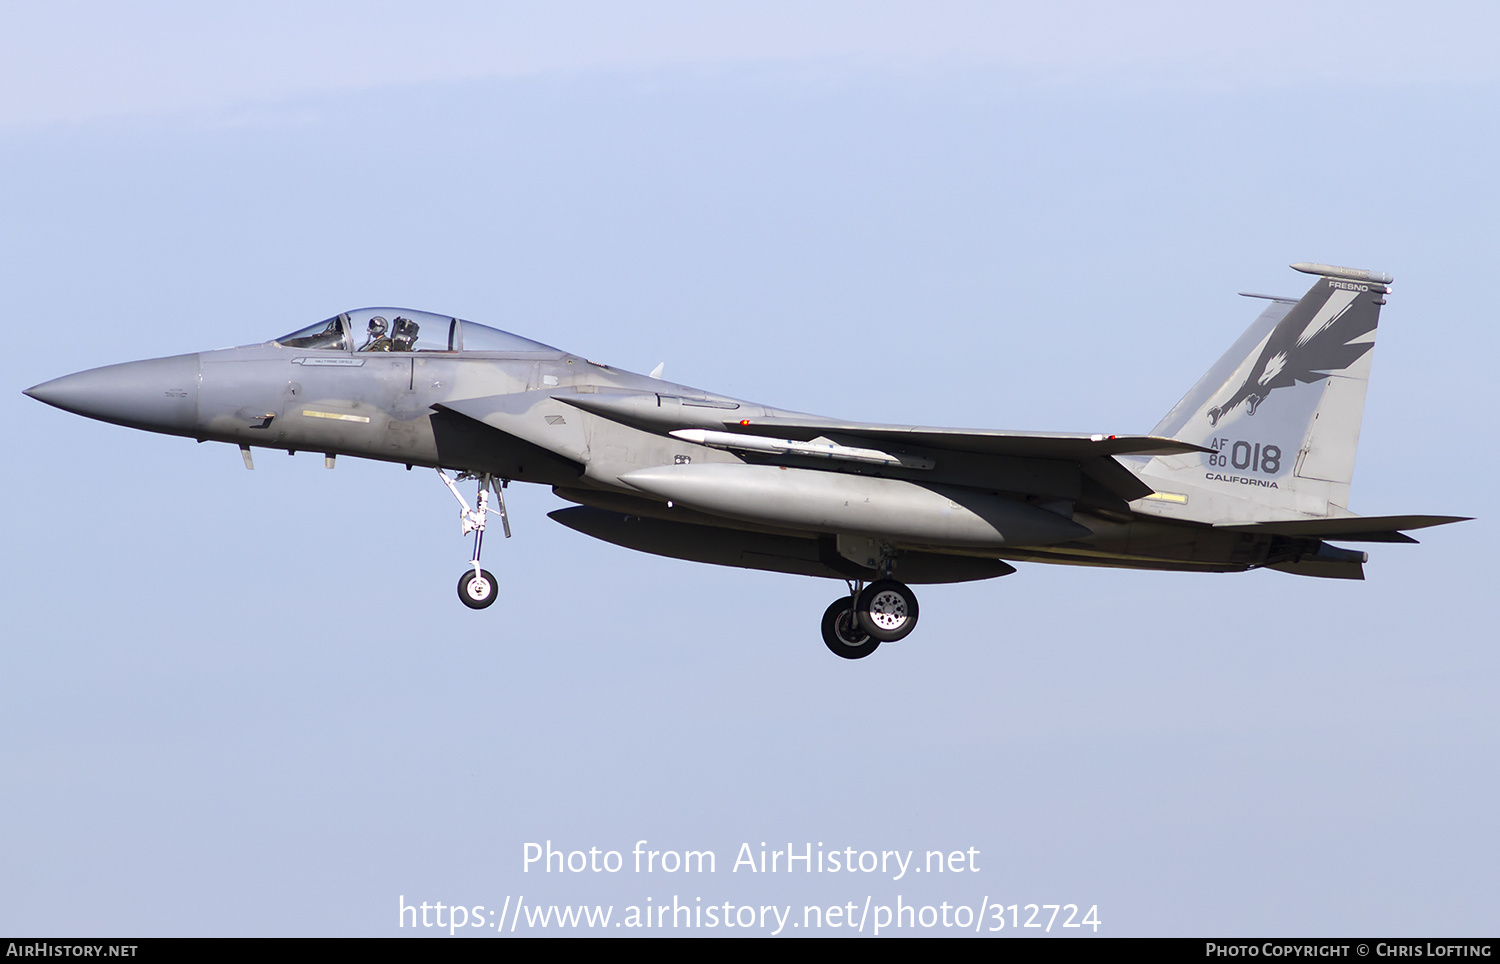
(842, 636)
(480, 591)
(887, 610)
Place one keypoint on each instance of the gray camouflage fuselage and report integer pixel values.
(743, 484)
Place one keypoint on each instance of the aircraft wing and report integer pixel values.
(1092, 453)
(1026, 445)
(728, 424)
(1369, 528)
(665, 413)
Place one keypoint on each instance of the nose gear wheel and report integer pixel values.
(478, 589)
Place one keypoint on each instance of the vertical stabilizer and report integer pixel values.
(1282, 409)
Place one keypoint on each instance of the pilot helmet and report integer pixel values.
(377, 327)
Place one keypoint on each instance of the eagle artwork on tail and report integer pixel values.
(1310, 343)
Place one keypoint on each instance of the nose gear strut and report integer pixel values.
(477, 588)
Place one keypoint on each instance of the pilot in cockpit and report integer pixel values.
(376, 340)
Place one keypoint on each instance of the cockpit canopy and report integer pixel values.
(405, 330)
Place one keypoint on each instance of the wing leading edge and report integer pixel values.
(1035, 445)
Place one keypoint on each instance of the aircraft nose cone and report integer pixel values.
(159, 394)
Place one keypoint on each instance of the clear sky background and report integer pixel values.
(249, 702)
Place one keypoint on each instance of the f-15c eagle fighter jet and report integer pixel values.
(1251, 469)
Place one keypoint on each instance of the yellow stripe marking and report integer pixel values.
(334, 415)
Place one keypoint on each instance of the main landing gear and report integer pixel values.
(882, 612)
(842, 635)
(477, 587)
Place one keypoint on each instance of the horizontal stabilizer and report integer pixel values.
(1033, 445)
(1329, 562)
(1373, 528)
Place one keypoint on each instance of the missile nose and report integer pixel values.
(158, 395)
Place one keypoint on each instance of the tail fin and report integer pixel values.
(1281, 410)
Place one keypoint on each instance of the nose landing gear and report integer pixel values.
(478, 588)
